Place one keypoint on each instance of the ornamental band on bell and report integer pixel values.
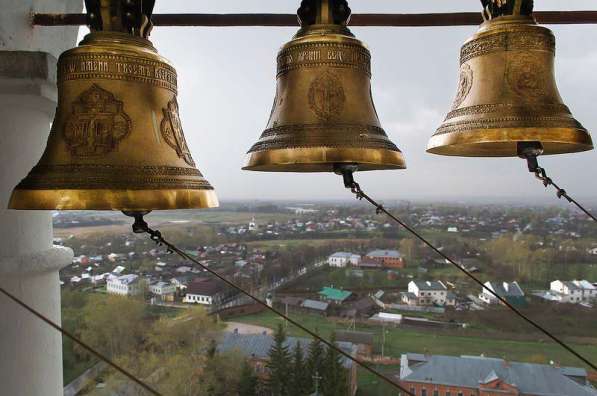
(171, 128)
(97, 123)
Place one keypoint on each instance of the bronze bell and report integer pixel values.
(323, 114)
(116, 142)
(507, 95)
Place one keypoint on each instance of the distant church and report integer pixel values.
(253, 225)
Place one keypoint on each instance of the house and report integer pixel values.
(574, 291)
(125, 285)
(335, 296)
(481, 376)
(426, 293)
(204, 291)
(511, 292)
(387, 258)
(315, 306)
(361, 308)
(256, 348)
(163, 290)
(342, 259)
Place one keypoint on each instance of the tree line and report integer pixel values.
(291, 372)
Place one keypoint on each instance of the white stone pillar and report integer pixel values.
(30, 350)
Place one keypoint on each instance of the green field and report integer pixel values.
(399, 341)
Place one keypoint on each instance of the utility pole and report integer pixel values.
(383, 339)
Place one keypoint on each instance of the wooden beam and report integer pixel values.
(379, 20)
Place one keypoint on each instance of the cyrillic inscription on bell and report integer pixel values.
(323, 115)
(116, 141)
(507, 92)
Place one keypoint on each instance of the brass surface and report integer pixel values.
(323, 113)
(116, 142)
(507, 94)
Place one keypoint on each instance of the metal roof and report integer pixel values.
(335, 294)
(384, 253)
(506, 289)
(313, 304)
(470, 371)
(430, 285)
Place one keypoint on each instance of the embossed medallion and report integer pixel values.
(527, 76)
(97, 123)
(464, 85)
(326, 96)
(173, 134)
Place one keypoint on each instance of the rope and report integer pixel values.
(360, 194)
(97, 354)
(141, 227)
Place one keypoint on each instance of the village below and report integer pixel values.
(346, 273)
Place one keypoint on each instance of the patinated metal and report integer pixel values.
(507, 92)
(116, 142)
(323, 114)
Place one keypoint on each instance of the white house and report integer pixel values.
(574, 291)
(163, 290)
(342, 259)
(205, 292)
(511, 291)
(426, 293)
(125, 285)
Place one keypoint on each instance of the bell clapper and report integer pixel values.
(530, 151)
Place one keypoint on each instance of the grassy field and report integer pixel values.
(400, 340)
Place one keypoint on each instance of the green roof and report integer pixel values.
(334, 294)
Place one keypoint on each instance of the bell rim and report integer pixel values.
(117, 200)
(501, 142)
(323, 159)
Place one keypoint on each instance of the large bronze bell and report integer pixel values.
(507, 95)
(116, 142)
(323, 114)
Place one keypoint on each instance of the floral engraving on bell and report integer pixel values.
(527, 76)
(97, 123)
(326, 96)
(464, 85)
(173, 133)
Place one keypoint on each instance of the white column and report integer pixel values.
(30, 350)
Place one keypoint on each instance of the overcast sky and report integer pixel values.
(227, 84)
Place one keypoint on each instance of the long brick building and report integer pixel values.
(426, 375)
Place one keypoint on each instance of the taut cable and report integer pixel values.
(140, 227)
(67, 334)
(530, 152)
(355, 188)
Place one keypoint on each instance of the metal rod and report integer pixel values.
(379, 20)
